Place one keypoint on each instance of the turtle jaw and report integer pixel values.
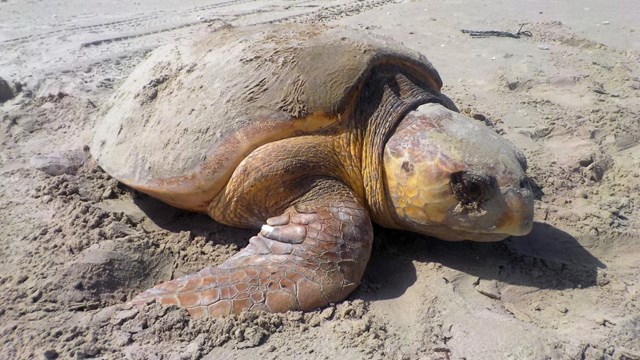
(438, 212)
(505, 215)
(453, 178)
(518, 221)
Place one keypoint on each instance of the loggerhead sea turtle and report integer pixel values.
(310, 133)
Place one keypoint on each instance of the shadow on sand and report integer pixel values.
(547, 258)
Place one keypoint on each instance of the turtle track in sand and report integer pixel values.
(323, 14)
(92, 51)
(161, 21)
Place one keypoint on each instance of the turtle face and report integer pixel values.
(452, 177)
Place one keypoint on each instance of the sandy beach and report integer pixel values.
(75, 244)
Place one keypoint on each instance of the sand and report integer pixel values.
(75, 245)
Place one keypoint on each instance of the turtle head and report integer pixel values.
(453, 178)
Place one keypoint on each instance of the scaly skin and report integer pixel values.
(314, 246)
(313, 254)
(453, 178)
(275, 176)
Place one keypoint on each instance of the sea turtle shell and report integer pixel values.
(192, 111)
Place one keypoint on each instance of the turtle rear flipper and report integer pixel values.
(312, 255)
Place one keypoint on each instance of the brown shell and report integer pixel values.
(190, 112)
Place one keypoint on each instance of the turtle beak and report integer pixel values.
(518, 219)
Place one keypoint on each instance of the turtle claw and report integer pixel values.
(289, 233)
(279, 220)
(292, 227)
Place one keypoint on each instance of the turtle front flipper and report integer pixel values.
(313, 254)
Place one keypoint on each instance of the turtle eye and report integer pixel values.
(470, 188)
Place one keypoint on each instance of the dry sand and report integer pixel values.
(76, 245)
